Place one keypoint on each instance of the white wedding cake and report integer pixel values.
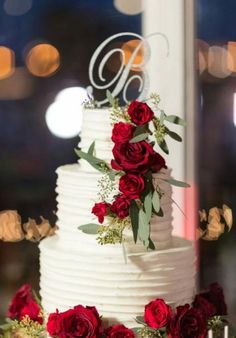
(75, 269)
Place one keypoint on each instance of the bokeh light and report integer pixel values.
(17, 7)
(43, 60)
(218, 62)
(203, 48)
(232, 56)
(64, 115)
(129, 7)
(7, 62)
(128, 48)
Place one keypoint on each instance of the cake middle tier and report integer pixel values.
(77, 192)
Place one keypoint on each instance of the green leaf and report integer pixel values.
(124, 252)
(174, 135)
(110, 98)
(134, 215)
(162, 116)
(177, 183)
(140, 130)
(90, 228)
(112, 175)
(176, 120)
(156, 201)
(160, 213)
(140, 320)
(139, 138)
(91, 148)
(148, 205)
(162, 144)
(95, 162)
(151, 245)
(143, 227)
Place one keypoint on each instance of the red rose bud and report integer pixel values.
(100, 210)
(77, 322)
(188, 322)
(122, 132)
(157, 314)
(140, 113)
(23, 303)
(119, 331)
(131, 185)
(214, 296)
(120, 206)
(132, 157)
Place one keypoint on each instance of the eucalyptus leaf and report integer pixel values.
(95, 162)
(139, 138)
(148, 205)
(174, 135)
(162, 116)
(140, 320)
(160, 213)
(177, 183)
(112, 175)
(156, 201)
(136, 330)
(143, 227)
(162, 144)
(140, 130)
(90, 228)
(176, 120)
(91, 148)
(110, 98)
(134, 216)
(151, 245)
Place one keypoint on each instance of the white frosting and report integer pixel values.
(75, 269)
(102, 278)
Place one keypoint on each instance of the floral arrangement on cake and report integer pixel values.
(129, 192)
(26, 319)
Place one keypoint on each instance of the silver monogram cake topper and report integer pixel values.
(123, 78)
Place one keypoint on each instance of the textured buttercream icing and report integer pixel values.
(75, 269)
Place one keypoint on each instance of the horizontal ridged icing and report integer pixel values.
(119, 290)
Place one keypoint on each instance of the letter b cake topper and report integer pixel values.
(124, 77)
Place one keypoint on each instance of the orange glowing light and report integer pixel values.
(7, 62)
(43, 60)
(129, 48)
(231, 61)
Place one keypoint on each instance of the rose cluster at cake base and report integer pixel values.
(26, 318)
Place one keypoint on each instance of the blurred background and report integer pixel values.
(45, 49)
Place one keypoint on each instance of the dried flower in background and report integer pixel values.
(12, 230)
(10, 226)
(214, 223)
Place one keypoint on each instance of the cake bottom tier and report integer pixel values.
(118, 289)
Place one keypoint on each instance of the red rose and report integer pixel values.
(80, 321)
(119, 331)
(215, 296)
(157, 314)
(188, 323)
(53, 324)
(140, 113)
(122, 132)
(204, 305)
(23, 304)
(131, 185)
(132, 157)
(157, 162)
(100, 210)
(121, 206)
